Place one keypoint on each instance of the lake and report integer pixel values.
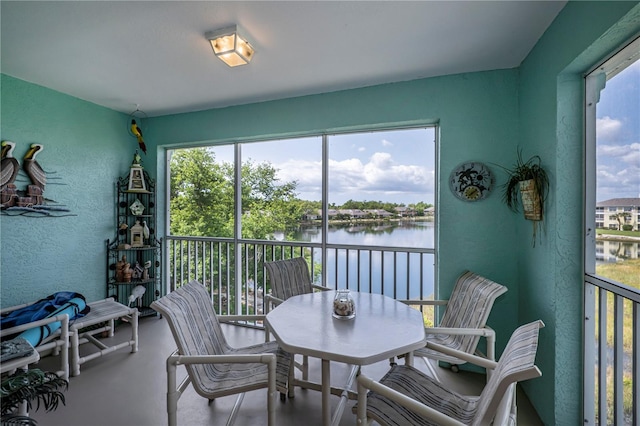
(370, 270)
(411, 234)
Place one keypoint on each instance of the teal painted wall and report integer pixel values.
(551, 125)
(87, 146)
(478, 118)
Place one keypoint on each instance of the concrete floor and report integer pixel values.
(125, 389)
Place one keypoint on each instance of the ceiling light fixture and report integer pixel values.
(232, 48)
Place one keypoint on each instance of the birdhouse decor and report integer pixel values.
(137, 208)
(136, 179)
(137, 232)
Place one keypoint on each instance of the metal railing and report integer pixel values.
(612, 359)
(233, 270)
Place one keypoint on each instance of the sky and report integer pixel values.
(391, 166)
(618, 136)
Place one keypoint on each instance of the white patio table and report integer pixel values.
(382, 328)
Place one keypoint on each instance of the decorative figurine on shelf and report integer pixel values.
(136, 175)
(137, 293)
(137, 272)
(127, 272)
(137, 208)
(137, 160)
(145, 230)
(120, 268)
(137, 235)
(145, 273)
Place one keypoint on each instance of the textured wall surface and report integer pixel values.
(85, 148)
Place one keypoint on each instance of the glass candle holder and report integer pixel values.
(344, 307)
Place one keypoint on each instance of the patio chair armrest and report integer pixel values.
(264, 358)
(320, 287)
(421, 302)
(473, 359)
(236, 318)
(365, 382)
(485, 331)
(271, 298)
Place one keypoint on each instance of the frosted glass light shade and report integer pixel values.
(230, 47)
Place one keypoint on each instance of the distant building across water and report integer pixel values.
(622, 214)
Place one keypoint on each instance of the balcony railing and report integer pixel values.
(612, 357)
(233, 270)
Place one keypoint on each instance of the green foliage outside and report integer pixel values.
(202, 197)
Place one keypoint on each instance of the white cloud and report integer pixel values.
(386, 143)
(608, 128)
(629, 154)
(618, 173)
(362, 149)
(351, 178)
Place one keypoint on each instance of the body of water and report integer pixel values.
(392, 274)
(373, 271)
(608, 251)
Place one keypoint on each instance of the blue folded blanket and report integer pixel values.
(64, 302)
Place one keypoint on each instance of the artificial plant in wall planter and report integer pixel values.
(527, 186)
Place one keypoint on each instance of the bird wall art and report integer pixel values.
(29, 201)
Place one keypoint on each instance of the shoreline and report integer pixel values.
(622, 238)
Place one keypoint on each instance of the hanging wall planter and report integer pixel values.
(527, 186)
(531, 203)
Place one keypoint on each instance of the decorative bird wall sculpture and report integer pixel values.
(10, 165)
(138, 134)
(32, 168)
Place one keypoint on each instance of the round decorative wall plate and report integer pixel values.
(471, 181)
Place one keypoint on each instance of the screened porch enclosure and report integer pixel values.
(359, 207)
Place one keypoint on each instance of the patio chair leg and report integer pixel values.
(172, 395)
(292, 372)
(305, 367)
(234, 411)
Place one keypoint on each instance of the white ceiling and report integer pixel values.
(153, 54)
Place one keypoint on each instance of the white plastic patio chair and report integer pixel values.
(214, 368)
(290, 277)
(464, 320)
(406, 396)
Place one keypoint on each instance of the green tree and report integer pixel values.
(202, 197)
(202, 200)
(620, 217)
(267, 205)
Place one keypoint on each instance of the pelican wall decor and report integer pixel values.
(31, 201)
(8, 171)
(35, 173)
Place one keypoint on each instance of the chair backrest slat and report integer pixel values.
(516, 364)
(193, 323)
(469, 306)
(289, 277)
